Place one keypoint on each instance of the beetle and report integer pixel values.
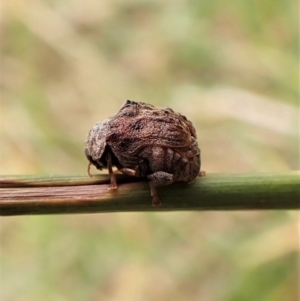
(147, 142)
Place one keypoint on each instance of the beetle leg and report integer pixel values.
(159, 178)
(113, 182)
(128, 172)
(202, 173)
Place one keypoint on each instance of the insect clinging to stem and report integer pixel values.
(147, 142)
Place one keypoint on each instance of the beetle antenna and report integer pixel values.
(89, 170)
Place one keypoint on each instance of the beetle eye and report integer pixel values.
(99, 164)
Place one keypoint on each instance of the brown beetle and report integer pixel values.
(144, 141)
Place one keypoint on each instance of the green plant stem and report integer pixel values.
(78, 194)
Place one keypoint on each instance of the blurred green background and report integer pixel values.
(230, 66)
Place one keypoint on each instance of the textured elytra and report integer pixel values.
(145, 141)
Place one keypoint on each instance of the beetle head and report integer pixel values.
(96, 150)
